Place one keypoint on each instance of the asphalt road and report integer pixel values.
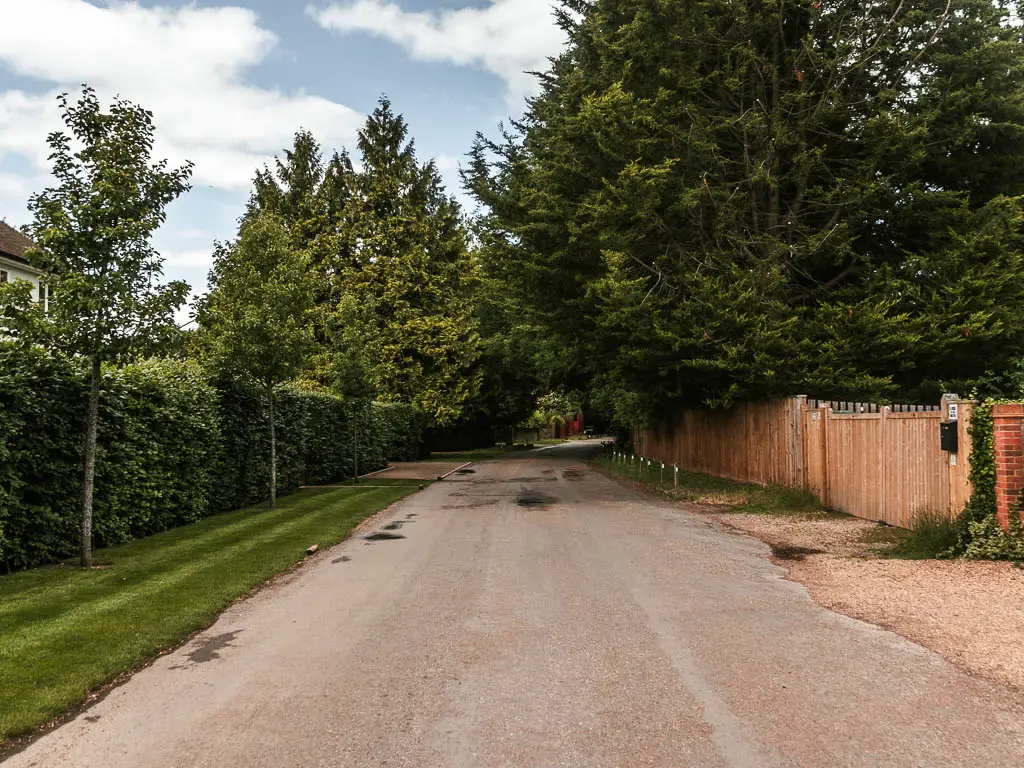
(537, 614)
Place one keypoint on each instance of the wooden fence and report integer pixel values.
(876, 462)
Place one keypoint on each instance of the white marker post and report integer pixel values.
(677, 477)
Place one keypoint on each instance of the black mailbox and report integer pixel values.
(950, 436)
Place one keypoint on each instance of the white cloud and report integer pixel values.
(194, 233)
(507, 38)
(186, 64)
(447, 163)
(195, 258)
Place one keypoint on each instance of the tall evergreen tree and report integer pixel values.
(408, 257)
(729, 199)
(391, 253)
(310, 198)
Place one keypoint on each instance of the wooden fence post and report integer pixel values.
(960, 462)
(826, 426)
(798, 466)
(883, 481)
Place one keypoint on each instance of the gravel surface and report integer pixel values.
(971, 613)
(592, 629)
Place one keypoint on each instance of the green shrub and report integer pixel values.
(979, 536)
(42, 402)
(401, 429)
(932, 536)
(174, 447)
(160, 441)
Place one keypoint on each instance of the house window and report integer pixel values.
(3, 276)
(42, 293)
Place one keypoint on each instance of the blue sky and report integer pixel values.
(229, 82)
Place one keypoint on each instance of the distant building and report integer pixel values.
(14, 265)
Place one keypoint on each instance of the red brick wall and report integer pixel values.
(1008, 449)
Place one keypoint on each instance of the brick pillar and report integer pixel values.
(1008, 450)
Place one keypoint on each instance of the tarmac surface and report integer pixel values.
(537, 614)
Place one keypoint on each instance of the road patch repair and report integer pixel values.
(530, 497)
(383, 536)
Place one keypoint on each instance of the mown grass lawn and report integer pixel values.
(65, 632)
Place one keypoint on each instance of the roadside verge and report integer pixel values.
(969, 612)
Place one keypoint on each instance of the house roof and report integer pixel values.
(13, 244)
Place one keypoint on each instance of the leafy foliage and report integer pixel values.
(726, 200)
(553, 408)
(94, 228)
(255, 318)
(173, 448)
(389, 248)
(979, 536)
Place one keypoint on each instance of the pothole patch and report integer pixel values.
(383, 536)
(474, 504)
(209, 649)
(533, 498)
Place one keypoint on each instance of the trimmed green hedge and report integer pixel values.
(173, 448)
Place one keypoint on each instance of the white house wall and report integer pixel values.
(17, 271)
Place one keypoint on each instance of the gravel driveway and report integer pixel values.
(971, 613)
(538, 614)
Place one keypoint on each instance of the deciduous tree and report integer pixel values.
(256, 318)
(93, 230)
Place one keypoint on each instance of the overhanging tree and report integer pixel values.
(93, 230)
(255, 321)
(723, 200)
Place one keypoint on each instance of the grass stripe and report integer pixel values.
(149, 588)
(85, 630)
(140, 558)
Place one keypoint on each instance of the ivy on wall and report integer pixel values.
(980, 536)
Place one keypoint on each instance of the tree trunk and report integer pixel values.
(273, 450)
(355, 445)
(89, 479)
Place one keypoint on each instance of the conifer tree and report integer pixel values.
(408, 257)
(390, 252)
(731, 199)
